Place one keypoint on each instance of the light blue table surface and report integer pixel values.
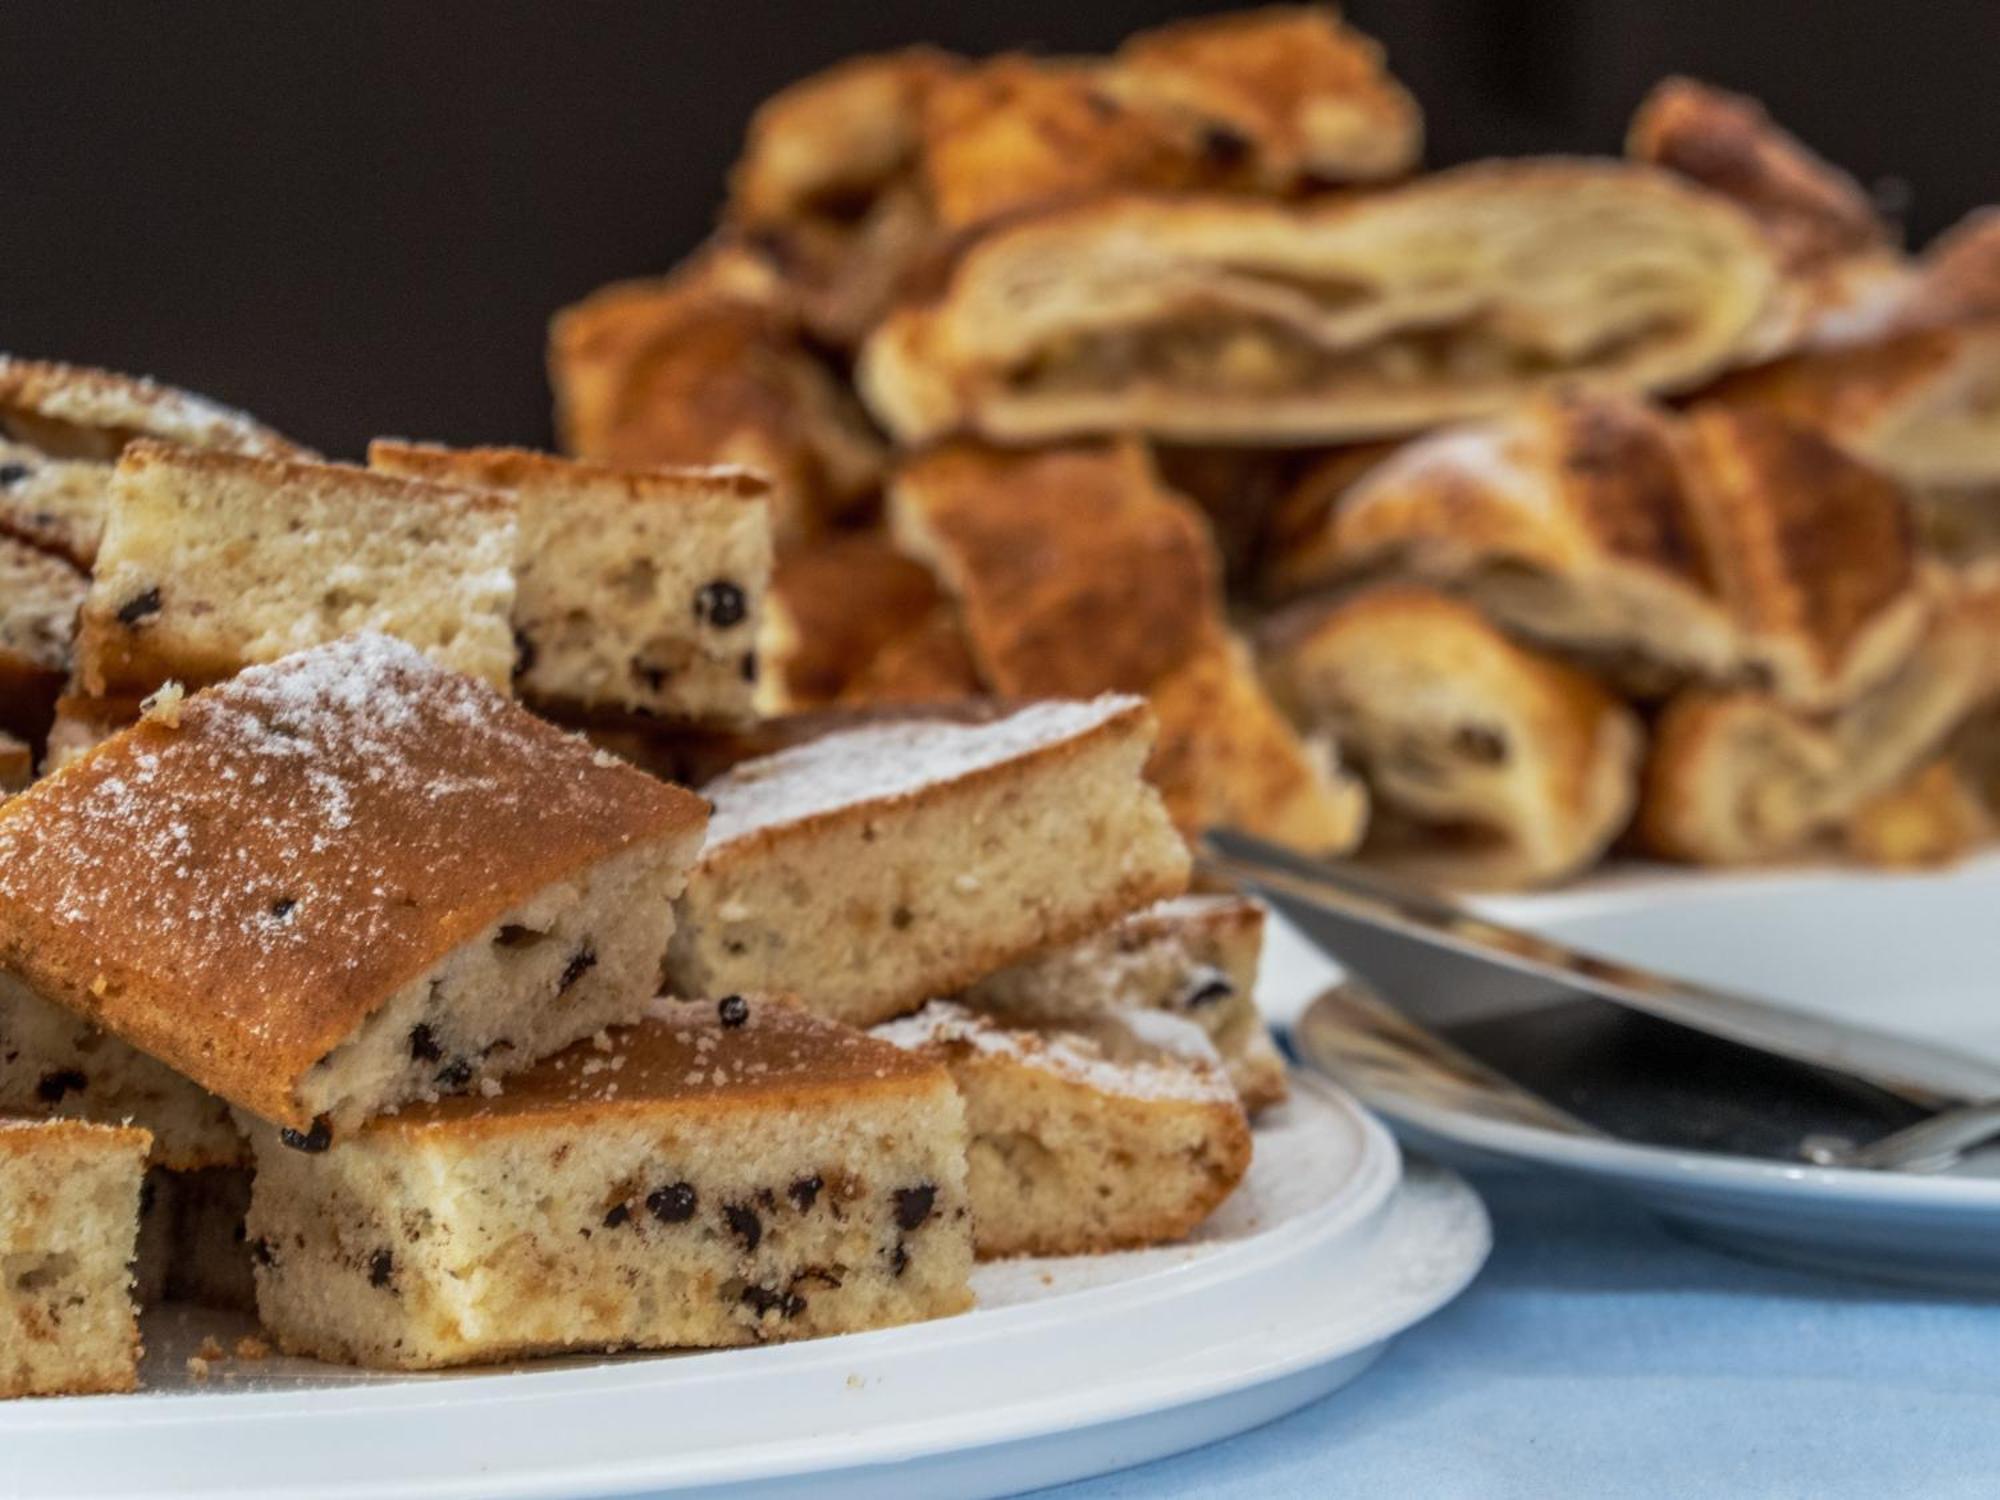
(1598, 1355)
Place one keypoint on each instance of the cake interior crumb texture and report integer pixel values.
(723, 1173)
(1105, 1134)
(344, 880)
(639, 590)
(69, 1225)
(211, 562)
(870, 870)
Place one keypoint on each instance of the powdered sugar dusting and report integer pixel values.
(1144, 1054)
(884, 762)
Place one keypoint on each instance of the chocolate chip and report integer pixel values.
(805, 1191)
(313, 1141)
(720, 603)
(132, 611)
(1205, 987)
(64, 1081)
(902, 918)
(524, 655)
(455, 1074)
(581, 963)
(914, 1205)
(424, 1044)
(674, 1204)
(619, 1216)
(748, 666)
(762, 1300)
(381, 1268)
(654, 677)
(1225, 149)
(899, 1260)
(744, 1224)
(262, 1253)
(732, 1010)
(13, 474)
(282, 908)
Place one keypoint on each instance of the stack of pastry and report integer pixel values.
(1178, 348)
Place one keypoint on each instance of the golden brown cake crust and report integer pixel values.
(24, 1138)
(691, 1054)
(238, 893)
(510, 468)
(127, 406)
(1074, 571)
(843, 599)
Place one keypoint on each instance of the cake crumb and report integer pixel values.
(211, 1348)
(491, 1088)
(855, 1382)
(251, 1347)
(197, 1367)
(164, 706)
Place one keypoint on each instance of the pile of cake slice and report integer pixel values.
(349, 978)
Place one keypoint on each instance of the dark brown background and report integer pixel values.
(354, 218)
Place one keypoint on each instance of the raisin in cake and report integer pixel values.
(62, 426)
(343, 881)
(873, 869)
(39, 599)
(1100, 1135)
(1195, 957)
(725, 1172)
(54, 1062)
(636, 590)
(69, 1223)
(212, 562)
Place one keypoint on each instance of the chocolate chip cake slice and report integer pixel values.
(342, 882)
(54, 1062)
(637, 590)
(873, 869)
(1105, 1134)
(1195, 957)
(213, 561)
(725, 1172)
(69, 1223)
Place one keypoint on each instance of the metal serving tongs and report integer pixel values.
(1405, 940)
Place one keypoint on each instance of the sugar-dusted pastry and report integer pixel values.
(1306, 98)
(636, 590)
(1737, 777)
(53, 1062)
(69, 1223)
(1233, 320)
(729, 1171)
(342, 882)
(1456, 727)
(833, 606)
(1076, 571)
(870, 870)
(705, 367)
(62, 427)
(39, 599)
(1194, 956)
(1727, 547)
(214, 561)
(1104, 1134)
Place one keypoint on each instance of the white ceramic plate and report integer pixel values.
(1067, 1368)
(1917, 954)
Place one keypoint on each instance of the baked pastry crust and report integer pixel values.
(237, 893)
(74, 411)
(1459, 729)
(1208, 319)
(834, 605)
(707, 367)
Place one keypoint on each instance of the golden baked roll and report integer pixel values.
(1728, 546)
(707, 367)
(1075, 572)
(1932, 817)
(1736, 777)
(1532, 765)
(1218, 319)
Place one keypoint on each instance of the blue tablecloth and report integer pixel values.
(1598, 1355)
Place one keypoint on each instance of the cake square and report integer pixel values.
(212, 562)
(55, 1063)
(637, 590)
(873, 869)
(723, 1173)
(344, 881)
(1105, 1134)
(69, 1224)
(1195, 957)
